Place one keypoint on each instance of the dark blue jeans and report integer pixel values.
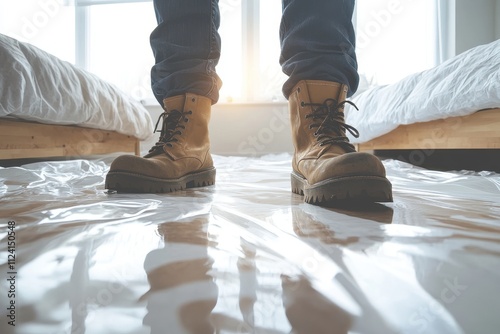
(317, 43)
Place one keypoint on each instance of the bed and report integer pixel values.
(455, 105)
(50, 108)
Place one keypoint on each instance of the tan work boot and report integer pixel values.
(326, 167)
(180, 159)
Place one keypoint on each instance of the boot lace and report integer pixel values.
(170, 128)
(332, 128)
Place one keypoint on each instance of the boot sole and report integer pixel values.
(135, 183)
(343, 189)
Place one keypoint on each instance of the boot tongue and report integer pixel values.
(174, 103)
(332, 127)
(319, 92)
(173, 107)
(171, 104)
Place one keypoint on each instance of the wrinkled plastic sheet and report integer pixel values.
(247, 255)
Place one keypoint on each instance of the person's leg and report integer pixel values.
(186, 46)
(317, 40)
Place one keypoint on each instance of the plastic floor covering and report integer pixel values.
(246, 255)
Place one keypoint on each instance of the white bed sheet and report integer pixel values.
(460, 86)
(37, 86)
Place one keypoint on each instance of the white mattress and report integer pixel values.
(460, 86)
(37, 86)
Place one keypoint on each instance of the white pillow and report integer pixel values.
(37, 86)
(460, 86)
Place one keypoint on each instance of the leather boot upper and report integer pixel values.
(322, 150)
(184, 145)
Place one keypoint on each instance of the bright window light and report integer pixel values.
(230, 68)
(395, 38)
(47, 24)
(271, 77)
(119, 49)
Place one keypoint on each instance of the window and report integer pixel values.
(119, 49)
(230, 68)
(394, 38)
(249, 64)
(48, 24)
(249, 61)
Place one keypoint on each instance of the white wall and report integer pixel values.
(497, 20)
(244, 129)
(250, 129)
(476, 23)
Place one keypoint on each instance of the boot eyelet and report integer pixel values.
(186, 120)
(298, 90)
(193, 99)
(190, 112)
(302, 104)
(315, 134)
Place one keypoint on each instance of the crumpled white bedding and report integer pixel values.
(460, 86)
(38, 86)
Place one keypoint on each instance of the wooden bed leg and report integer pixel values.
(137, 147)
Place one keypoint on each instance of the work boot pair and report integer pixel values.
(326, 167)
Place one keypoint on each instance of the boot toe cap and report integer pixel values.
(135, 165)
(346, 165)
(359, 164)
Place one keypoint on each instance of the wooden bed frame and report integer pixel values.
(480, 130)
(21, 139)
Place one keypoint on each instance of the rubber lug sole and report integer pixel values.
(343, 189)
(135, 183)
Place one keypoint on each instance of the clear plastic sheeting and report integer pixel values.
(247, 255)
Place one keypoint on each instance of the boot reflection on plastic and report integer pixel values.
(183, 292)
(310, 312)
